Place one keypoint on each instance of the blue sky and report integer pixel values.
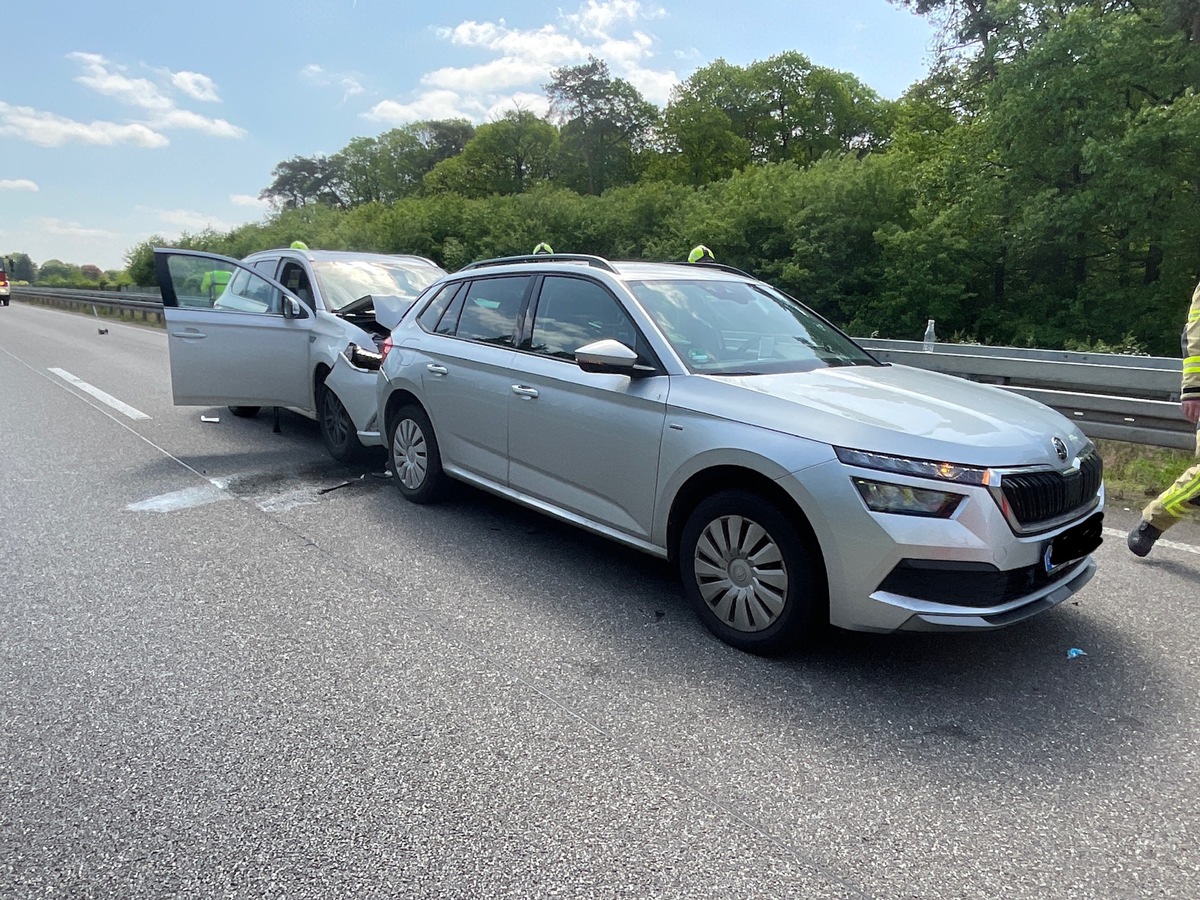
(120, 119)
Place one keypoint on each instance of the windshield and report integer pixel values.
(739, 328)
(343, 281)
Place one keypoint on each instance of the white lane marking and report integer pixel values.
(108, 399)
(1170, 545)
(184, 499)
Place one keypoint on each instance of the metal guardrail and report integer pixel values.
(1124, 398)
(145, 304)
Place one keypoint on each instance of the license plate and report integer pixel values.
(1074, 543)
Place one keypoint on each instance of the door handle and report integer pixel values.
(188, 334)
(435, 369)
(525, 393)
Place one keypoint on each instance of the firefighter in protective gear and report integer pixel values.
(543, 247)
(1172, 504)
(701, 254)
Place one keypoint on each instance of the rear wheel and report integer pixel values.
(337, 428)
(751, 575)
(245, 412)
(414, 456)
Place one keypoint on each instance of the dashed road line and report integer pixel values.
(94, 391)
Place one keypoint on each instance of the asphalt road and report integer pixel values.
(232, 668)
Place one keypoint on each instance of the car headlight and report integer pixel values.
(880, 496)
(917, 468)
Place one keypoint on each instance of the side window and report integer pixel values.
(490, 309)
(572, 312)
(248, 292)
(195, 281)
(295, 279)
(436, 308)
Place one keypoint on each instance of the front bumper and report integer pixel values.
(969, 572)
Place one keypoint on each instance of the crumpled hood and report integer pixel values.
(890, 409)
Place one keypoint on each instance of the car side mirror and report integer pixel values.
(610, 357)
(293, 308)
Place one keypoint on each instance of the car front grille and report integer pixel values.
(1043, 499)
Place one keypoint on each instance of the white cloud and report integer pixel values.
(160, 111)
(196, 86)
(18, 184)
(430, 105)
(105, 78)
(249, 200)
(348, 83)
(182, 118)
(526, 58)
(535, 103)
(48, 130)
(499, 74)
(63, 228)
(190, 220)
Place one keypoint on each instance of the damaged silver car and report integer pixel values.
(269, 331)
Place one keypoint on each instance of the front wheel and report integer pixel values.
(751, 576)
(337, 428)
(414, 457)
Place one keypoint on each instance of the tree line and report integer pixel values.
(1038, 188)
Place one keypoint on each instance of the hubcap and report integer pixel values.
(741, 574)
(410, 453)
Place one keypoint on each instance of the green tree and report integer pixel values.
(605, 124)
(21, 267)
(302, 180)
(507, 156)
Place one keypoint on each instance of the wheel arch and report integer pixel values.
(707, 482)
(395, 401)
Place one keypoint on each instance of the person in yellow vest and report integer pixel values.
(543, 247)
(1172, 504)
(299, 245)
(213, 284)
(701, 254)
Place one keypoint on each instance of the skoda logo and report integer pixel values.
(1060, 448)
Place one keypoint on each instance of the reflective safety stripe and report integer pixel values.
(1174, 498)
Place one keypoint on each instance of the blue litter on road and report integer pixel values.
(1074, 652)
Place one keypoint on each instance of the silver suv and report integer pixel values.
(700, 415)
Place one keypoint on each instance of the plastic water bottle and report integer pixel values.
(930, 337)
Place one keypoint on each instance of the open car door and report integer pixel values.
(235, 337)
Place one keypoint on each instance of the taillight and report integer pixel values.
(385, 348)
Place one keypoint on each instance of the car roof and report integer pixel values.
(623, 269)
(335, 255)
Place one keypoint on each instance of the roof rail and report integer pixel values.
(597, 262)
(720, 266)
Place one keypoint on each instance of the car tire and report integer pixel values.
(414, 457)
(245, 412)
(752, 576)
(337, 428)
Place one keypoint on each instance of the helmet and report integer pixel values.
(299, 245)
(543, 247)
(700, 253)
